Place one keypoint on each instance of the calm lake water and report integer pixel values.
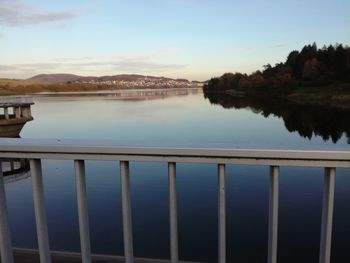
(183, 119)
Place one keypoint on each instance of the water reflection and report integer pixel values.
(15, 169)
(308, 120)
(128, 94)
(177, 121)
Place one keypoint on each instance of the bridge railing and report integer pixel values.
(79, 151)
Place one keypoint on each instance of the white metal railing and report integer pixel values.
(35, 150)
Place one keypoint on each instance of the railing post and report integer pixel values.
(126, 210)
(221, 214)
(83, 211)
(12, 165)
(40, 213)
(327, 215)
(26, 112)
(5, 236)
(17, 112)
(273, 215)
(173, 213)
(6, 113)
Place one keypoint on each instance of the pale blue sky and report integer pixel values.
(195, 39)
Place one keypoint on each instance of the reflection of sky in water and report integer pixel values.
(180, 120)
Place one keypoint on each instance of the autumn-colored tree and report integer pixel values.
(311, 66)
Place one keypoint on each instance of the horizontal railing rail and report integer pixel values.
(94, 150)
(79, 151)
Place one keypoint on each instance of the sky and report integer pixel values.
(193, 39)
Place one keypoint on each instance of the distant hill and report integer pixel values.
(64, 78)
(53, 78)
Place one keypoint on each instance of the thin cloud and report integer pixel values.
(6, 68)
(131, 63)
(68, 60)
(16, 13)
(98, 66)
(145, 66)
(142, 62)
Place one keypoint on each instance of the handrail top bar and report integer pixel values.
(15, 101)
(54, 146)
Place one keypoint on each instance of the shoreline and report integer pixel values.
(112, 91)
(334, 101)
(86, 90)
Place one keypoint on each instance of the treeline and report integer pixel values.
(310, 67)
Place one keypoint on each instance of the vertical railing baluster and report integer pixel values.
(327, 215)
(221, 214)
(83, 211)
(12, 165)
(126, 210)
(6, 112)
(39, 208)
(173, 213)
(273, 215)
(17, 112)
(5, 236)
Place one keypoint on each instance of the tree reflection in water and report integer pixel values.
(328, 122)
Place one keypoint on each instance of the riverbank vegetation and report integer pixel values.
(16, 87)
(310, 75)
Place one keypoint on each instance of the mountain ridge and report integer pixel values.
(64, 78)
(53, 78)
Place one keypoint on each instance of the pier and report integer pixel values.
(15, 112)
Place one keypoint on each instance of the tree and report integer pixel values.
(311, 70)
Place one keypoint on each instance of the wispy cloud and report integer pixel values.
(6, 68)
(126, 63)
(16, 13)
(145, 64)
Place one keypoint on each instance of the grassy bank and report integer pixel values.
(15, 87)
(337, 95)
